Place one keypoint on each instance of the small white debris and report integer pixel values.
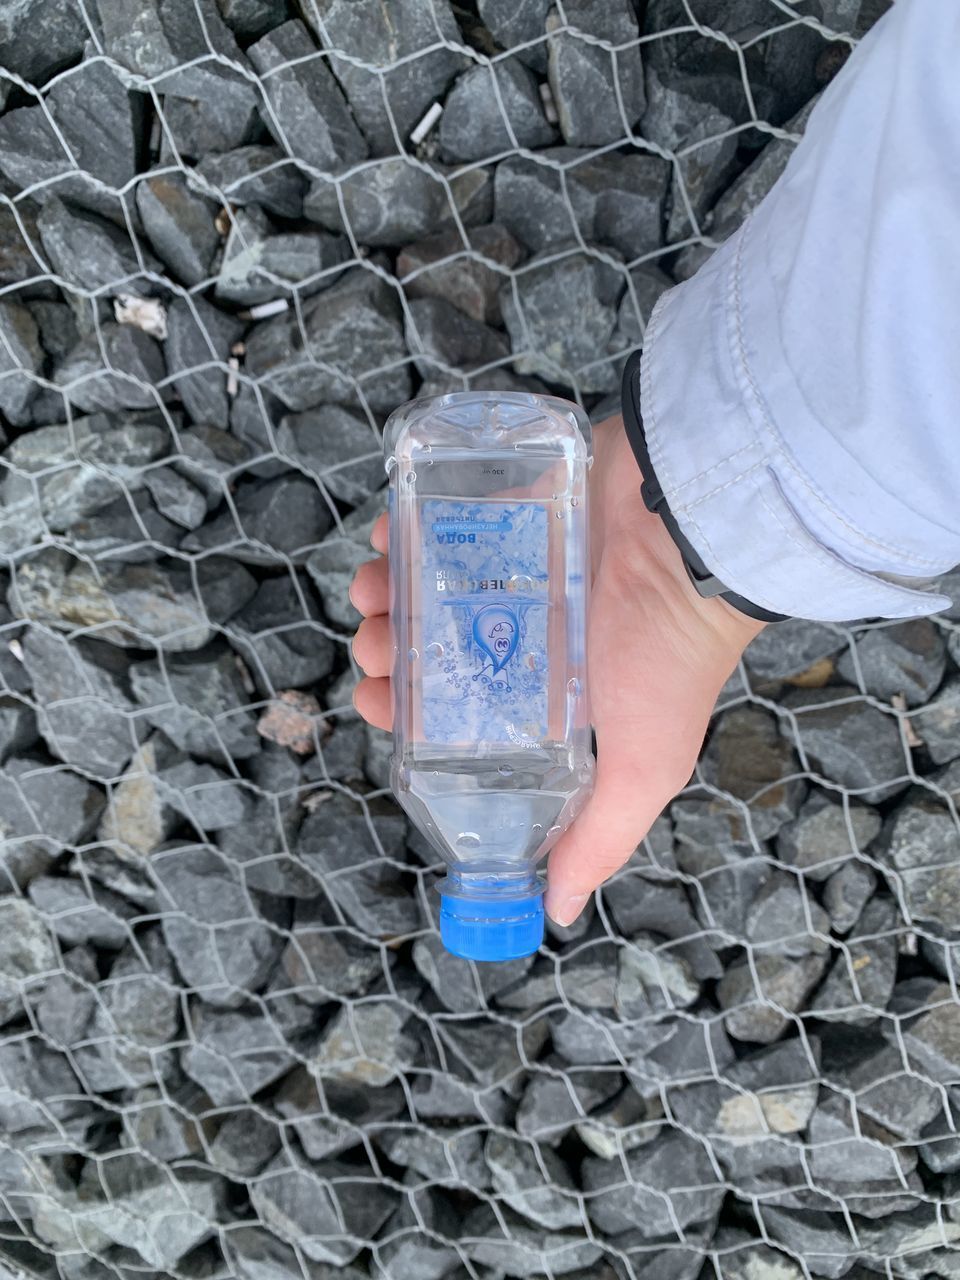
(549, 106)
(148, 314)
(233, 386)
(913, 739)
(264, 309)
(433, 114)
(16, 648)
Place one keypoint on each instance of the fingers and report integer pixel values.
(370, 588)
(373, 647)
(378, 535)
(632, 788)
(374, 701)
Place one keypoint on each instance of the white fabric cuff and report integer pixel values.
(726, 470)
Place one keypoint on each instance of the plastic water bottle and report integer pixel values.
(492, 755)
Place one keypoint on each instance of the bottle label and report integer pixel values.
(485, 614)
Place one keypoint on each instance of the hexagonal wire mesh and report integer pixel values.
(230, 1045)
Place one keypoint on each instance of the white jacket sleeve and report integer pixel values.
(801, 393)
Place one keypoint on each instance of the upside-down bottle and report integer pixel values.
(492, 753)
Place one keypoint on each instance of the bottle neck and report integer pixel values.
(464, 882)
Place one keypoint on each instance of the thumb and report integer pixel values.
(635, 779)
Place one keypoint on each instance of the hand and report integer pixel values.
(658, 656)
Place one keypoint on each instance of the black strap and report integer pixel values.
(703, 579)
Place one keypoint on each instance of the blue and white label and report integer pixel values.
(484, 611)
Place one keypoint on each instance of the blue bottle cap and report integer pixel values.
(491, 928)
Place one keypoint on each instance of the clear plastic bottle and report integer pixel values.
(489, 581)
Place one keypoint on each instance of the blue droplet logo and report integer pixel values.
(496, 631)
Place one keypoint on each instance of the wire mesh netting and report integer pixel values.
(232, 239)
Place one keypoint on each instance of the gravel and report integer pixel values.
(231, 1042)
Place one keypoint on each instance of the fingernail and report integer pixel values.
(569, 909)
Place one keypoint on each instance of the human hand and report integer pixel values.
(658, 655)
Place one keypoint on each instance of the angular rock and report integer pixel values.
(746, 759)
(445, 1156)
(348, 340)
(786, 919)
(18, 727)
(798, 646)
(493, 109)
(258, 175)
(370, 889)
(21, 359)
(392, 51)
(621, 1125)
(703, 139)
(135, 1021)
(639, 903)
(417, 1236)
(328, 1210)
(193, 128)
(459, 985)
(245, 1142)
(654, 1193)
(156, 1213)
(38, 39)
(567, 309)
(180, 225)
(599, 95)
(332, 1116)
(115, 368)
(168, 1131)
(553, 1103)
(636, 305)
(842, 1154)
(875, 1074)
(38, 1088)
(518, 22)
(175, 42)
(825, 835)
(366, 1045)
(254, 1253)
(90, 252)
(175, 497)
(564, 193)
(150, 605)
(224, 942)
(199, 339)
(79, 916)
(307, 113)
(276, 520)
(27, 954)
(208, 797)
(509, 1244)
(336, 446)
(846, 893)
(653, 977)
(771, 1091)
(761, 1010)
(280, 637)
(847, 740)
(61, 473)
(338, 557)
(200, 702)
(534, 1182)
(97, 119)
(938, 723)
(386, 203)
(861, 980)
(907, 659)
(491, 1053)
(234, 1053)
(447, 338)
(208, 458)
(462, 273)
(260, 263)
(923, 849)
